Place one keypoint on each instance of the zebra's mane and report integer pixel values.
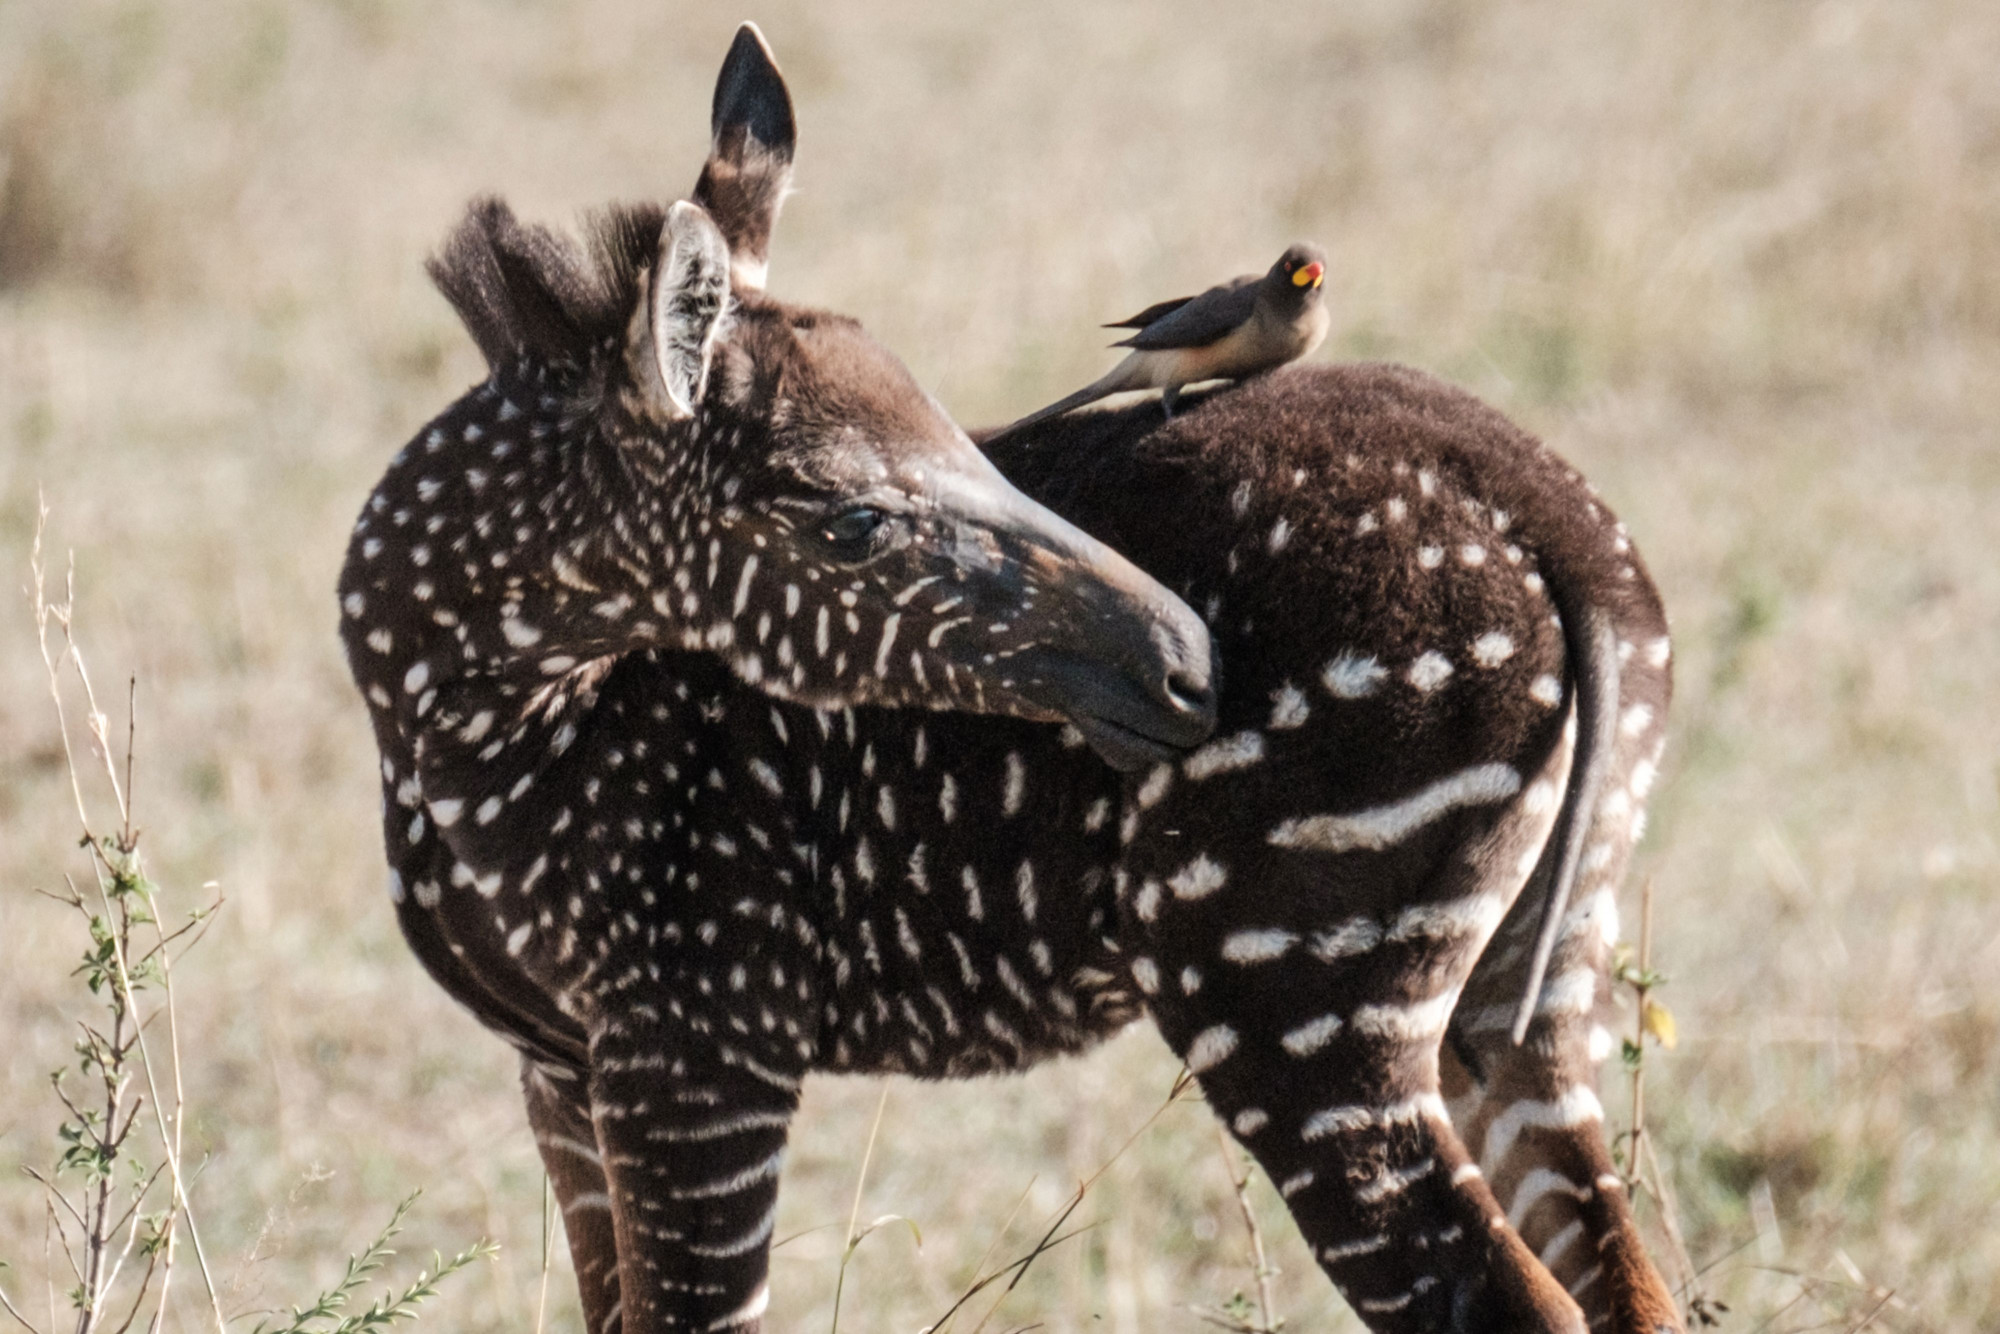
(527, 292)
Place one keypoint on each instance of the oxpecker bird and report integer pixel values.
(1246, 325)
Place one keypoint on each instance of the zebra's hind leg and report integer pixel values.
(559, 1115)
(1307, 983)
(1385, 1194)
(1530, 1113)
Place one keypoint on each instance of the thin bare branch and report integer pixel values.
(54, 1194)
(1239, 1181)
(1638, 1132)
(169, 1126)
(52, 663)
(1643, 1174)
(117, 1267)
(7, 1304)
(139, 1298)
(131, 744)
(198, 922)
(139, 1195)
(174, 1159)
(62, 1234)
(75, 899)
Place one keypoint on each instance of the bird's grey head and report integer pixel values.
(1294, 281)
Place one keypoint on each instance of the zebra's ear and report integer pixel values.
(685, 305)
(749, 165)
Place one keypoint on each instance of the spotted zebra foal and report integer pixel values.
(716, 680)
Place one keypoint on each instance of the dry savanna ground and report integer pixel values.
(1740, 261)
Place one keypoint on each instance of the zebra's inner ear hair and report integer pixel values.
(686, 304)
(749, 165)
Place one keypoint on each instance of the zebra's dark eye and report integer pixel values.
(851, 532)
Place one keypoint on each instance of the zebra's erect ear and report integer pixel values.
(749, 163)
(686, 304)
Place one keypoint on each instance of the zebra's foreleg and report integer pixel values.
(559, 1114)
(693, 1137)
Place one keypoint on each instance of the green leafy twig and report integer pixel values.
(359, 1267)
(391, 1308)
(114, 1219)
(112, 1053)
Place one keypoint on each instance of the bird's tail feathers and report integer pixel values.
(1127, 374)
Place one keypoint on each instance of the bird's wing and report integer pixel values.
(1150, 313)
(1201, 321)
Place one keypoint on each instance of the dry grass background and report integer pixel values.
(1740, 261)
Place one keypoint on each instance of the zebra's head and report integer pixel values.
(776, 488)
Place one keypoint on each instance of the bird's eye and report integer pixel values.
(850, 531)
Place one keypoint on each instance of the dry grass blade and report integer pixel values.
(1876, 1310)
(548, 1244)
(1825, 1293)
(1012, 1271)
(979, 1266)
(1052, 1236)
(854, 1213)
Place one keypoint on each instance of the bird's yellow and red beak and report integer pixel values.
(1311, 275)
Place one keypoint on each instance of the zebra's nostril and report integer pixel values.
(1190, 694)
